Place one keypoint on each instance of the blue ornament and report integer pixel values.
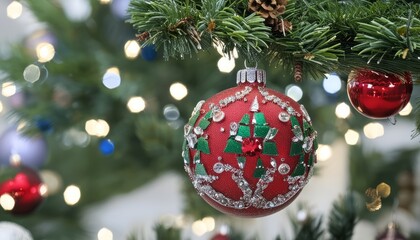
(44, 125)
(106, 146)
(149, 53)
(17, 148)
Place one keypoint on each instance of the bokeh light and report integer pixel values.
(32, 73)
(171, 112)
(75, 137)
(294, 92)
(105, 234)
(351, 137)
(1, 107)
(77, 10)
(112, 78)
(8, 89)
(136, 104)
(51, 180)
(373, 130)
(97, 127)
(406, 110)
(72, 195)
(178, 91)
(105, 1)
(7, 202)
(342, 110)
(324, 152)
(226, 64)
(15, 159)
(331, 83)
(43, 190)
(45, 52)
(132, 49)
(201, 227)
(14, 10)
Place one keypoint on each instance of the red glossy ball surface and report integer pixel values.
(23, 185)
(379, 95)
(249, 150)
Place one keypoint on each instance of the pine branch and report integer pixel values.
(343, 218)
(185, 28)
(416, 133)
(382, 38)
(326, 35)
(310, 230)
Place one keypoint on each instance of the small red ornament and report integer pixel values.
(220, 236)
(249, 150)
(23, 185)
(379, 95)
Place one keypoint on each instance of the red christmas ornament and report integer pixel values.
(220, 236)
(23, 185)
(249, 150)
(379, 95)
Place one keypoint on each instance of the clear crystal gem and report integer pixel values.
(218, 116)
(192, 140)
(217, 113)
(305, 113)
(307, 144)
(290, 110)
(233, 128)
(271, 134)
(284, 168)
(198, 130)
(187, 129)
(284, 117)
(297, 131)
(218, 168)
(273, 162)
(222, 129)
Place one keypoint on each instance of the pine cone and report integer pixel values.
(282, 26)
(268, 9)
(271, 10)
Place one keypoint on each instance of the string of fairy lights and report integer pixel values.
(100, 128)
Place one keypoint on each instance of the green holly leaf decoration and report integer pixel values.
(260, 119)
(193, 118)
(311, 160)
(259, 170)
(261, 131)
(296, 148)
(204, 123)
(245, 120)
(200, 170)
(270, 148)
(241, 161)
(244, 131)
(233, 146)
(300, 169)
(208, 115)
(203, 145)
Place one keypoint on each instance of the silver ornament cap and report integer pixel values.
(251, 75)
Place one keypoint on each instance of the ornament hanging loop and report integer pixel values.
(256, 65)
(392, 119)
